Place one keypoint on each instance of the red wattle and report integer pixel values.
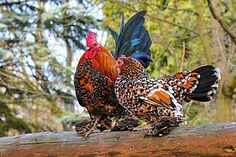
(90, 54)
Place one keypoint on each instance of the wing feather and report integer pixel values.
(162, 98)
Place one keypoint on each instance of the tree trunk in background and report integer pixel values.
(69, 107)
(38, 68)
(225, 99)
(224, 107)
(38, 40)
(202, 30)
(38, 33)
(225, 94)
(69, 58)
(69, 54)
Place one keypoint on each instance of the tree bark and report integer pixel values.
(205, 140)
(227, 83)
(202, 30)
(216, 17)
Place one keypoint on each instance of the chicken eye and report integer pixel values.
(119, 63)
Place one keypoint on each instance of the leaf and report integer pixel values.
(113, 33)
(164, 4)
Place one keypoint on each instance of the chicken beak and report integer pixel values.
(117, 68)
(116, 65)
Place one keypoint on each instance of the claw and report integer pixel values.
(90, 131)
(158, 129)
(106, 131)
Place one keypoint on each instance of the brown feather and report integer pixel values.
(160, 96)
(105, 62)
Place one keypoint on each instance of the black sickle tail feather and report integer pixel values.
(133, 40)
(208, 77)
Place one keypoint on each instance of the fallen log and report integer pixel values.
(204, 140)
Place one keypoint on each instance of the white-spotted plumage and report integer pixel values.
(155, 99)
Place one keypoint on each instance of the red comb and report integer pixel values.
(91, 39)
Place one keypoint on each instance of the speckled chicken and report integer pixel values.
(159, 101)
(96, 73)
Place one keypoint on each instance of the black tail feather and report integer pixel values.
(207, 83)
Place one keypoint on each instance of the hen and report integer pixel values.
(96, 73)
(159, 101)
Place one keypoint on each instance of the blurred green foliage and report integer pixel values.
(185, 36)
(36, 86)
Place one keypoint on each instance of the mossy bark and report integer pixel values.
(205, 140)
(202, 30)
(227, 83)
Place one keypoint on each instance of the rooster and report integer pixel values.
(96, 73)
(159, 101)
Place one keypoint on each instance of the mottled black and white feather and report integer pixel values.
(154, 99)
(200, 84)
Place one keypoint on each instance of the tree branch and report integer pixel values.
(205, 140)
(152, 16)
(217, 18)
(165, 7)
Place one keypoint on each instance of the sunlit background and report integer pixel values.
(41, 42)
